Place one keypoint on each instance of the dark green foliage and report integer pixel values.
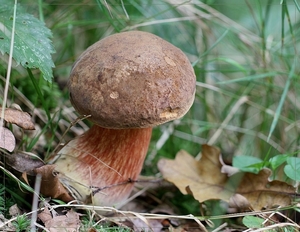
(32, 46)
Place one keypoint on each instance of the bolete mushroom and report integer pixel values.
(128, 83)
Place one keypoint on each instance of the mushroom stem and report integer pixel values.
(98, 167)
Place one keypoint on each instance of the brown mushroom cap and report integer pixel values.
(132, 79)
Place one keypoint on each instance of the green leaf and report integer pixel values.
(277, 160)
(292, 169)
(248, 163)
(253, 222)
(32, 44)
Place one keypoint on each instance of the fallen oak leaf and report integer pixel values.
(18, 117)
(262, 193)
(187, 173)
(204, 180)
(7, 139)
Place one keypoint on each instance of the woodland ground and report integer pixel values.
(245, 57)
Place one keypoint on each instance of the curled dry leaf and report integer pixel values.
(7, 139)
(228, 169)
(204, 180)
(18, 117)
(51, 185)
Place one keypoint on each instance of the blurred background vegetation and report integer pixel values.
(245, 56)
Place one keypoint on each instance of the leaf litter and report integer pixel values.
(18, 117)
(55, 223)
(205, 180)
(7, 139)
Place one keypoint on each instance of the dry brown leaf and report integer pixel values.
(262, 193)
(67, 223)
(24, 162)
(18, 117)
(204, 180)
(238, 201)
(25, 178)
(5, 225)
(45, 215)
(14, 211)
(7, 139)
(51, 185)
(153, 225)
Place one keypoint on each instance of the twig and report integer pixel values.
(35, 202)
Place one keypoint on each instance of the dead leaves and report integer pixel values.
(18, 117)
(51, 185)
(55, 223)
(14, 116)
(7, 139)
(192, 176)
(24, 162)
(205, 181)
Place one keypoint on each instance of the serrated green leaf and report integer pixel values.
(32, 44)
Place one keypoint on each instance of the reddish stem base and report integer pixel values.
(98, 167)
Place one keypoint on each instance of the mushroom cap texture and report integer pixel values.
(132, 80)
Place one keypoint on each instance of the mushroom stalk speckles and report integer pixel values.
(97, 166)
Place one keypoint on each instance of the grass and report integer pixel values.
(245, 49)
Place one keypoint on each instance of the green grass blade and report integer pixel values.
(39, 92)
(113, 21)
(212, 47)
(231, 62)
(282, 99)
(282, 23)
(297, 5)
(41, 14)
(286, 11)
(249, 78)
(21, 185)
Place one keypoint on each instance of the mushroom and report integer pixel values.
(127, 83)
